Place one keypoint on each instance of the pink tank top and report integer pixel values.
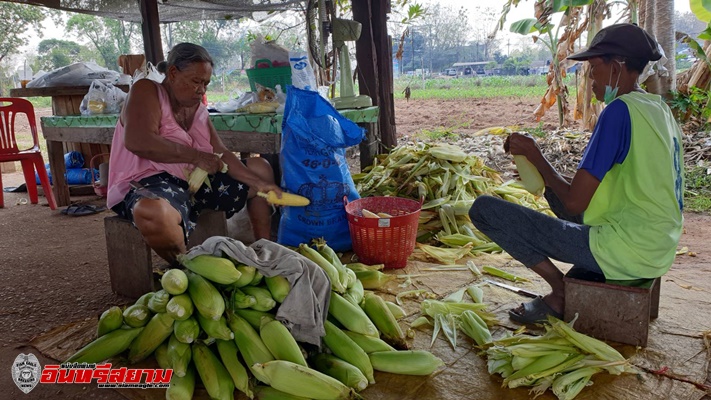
(125, 166)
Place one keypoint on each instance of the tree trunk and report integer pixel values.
(657, 18)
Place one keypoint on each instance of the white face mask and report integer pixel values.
(610, 93)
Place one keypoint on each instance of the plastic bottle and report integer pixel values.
(530, 177)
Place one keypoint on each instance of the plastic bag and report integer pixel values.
(302, 74)
(269, 49)
(77, 74)
(102, 98)
(313, 146)
(148, 72)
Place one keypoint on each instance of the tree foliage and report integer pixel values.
(14, 33)
(57, 53)
(110, 37)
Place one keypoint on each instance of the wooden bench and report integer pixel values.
(131, 260)
(618, 311)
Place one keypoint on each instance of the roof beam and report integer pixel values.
(150, 27)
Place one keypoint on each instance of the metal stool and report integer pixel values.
(619, 311)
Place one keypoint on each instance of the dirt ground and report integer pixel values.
(54, 268)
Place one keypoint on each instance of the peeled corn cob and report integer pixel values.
(302, 381)
(287, 199)
(106, 346)
(369, 214)
(530, 177)
(110, 320)
(197, 177)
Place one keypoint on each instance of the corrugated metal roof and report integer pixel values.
(174, 10)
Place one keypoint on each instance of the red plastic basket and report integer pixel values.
(388, 241)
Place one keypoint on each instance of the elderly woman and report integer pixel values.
(620, 218)
(163, 133)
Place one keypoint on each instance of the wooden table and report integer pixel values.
(244, 133)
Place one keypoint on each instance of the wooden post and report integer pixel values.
(151, 31)
(373, 52)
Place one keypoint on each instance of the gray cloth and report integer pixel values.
(305, 308)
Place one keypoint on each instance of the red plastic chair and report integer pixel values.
(31, 158)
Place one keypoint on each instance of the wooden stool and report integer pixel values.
(619, 311)
(130, 258)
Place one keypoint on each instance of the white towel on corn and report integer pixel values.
(304, 309)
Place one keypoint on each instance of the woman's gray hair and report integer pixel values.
(184, 54)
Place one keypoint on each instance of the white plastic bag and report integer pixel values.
(270, 50)
(302, 75)
(149, 72)
(102, 98)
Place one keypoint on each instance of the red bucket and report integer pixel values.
(388, 241)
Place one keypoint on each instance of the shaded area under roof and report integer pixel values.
(173, 10)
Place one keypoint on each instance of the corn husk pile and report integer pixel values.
(562, 360)
(216, 320)
(448, 180)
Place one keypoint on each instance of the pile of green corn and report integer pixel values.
(215, 320)
(448, 180)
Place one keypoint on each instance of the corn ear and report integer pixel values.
(488, 269)
(143, 300)
(287, 199)
(217, 329)
(348, 374)
(161, 356)
(405, 362)
(364, 267)
(264, 300)
(369, 344)
(280, 342)
(448, 152)
(346, 349)
(206, 298)
(247, 274)
(254, 317)
(241, 299)
(278, 286)
(369, 214)
(174, 281)
(159, 301)
(186, 331)
(179, 356)
(214, 376)
(110, 320)
(197, 177)
(217, 269)
(181, 388)
(248, 341)
(302, 381)
(153, 334)
(355, 293)
(228, 353)
(351, 316)
(106, 346)
(384, 320)
(373, 279)
(330, 270)
(136, 316)
(180, 307)
(530, 177)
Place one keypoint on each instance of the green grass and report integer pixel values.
(475, 87)
(697, 197)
